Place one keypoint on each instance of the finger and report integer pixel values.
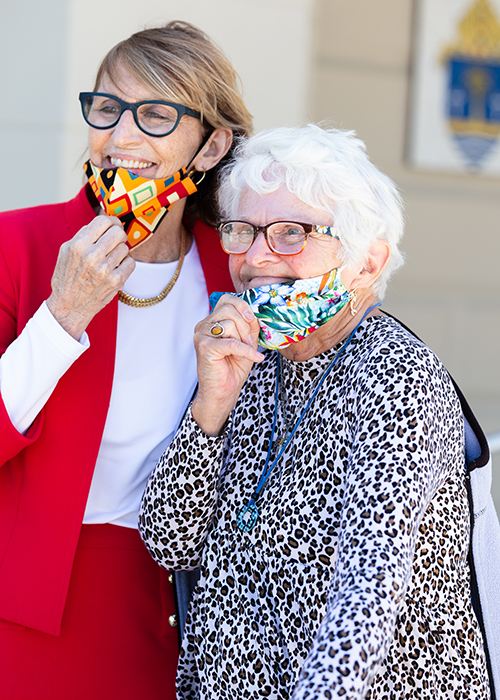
(100, 257)
(111, 238)
(229, 323)
(112, 272)
(242, 306)
(224, 327)
(117, 256)
(120, 274)
(240, 312)
(109, 247)
(113, 280)
(96, 228)
(223, 348)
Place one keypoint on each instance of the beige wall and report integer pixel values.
(33, 56)
(449, 289)
(345, 61)
(50, 51)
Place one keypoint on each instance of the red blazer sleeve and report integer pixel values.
(26, 266)
(29, 245)
(45, 475)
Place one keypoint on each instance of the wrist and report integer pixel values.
(71, 322)
(211, 417)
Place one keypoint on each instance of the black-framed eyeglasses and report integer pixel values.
(282, 237)
(153, 117)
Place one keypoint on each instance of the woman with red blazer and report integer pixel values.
(98, 300)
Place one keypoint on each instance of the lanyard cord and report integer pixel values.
(267, 470)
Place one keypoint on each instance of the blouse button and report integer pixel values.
(170, 578)
(172, 620)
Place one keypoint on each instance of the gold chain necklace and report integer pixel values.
(142, 303)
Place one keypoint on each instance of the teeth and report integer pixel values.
(128, 164)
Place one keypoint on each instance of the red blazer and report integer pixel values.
(45, 475)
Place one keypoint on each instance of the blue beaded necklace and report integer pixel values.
(249, 514)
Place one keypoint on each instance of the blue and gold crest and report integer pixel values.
(473, 80)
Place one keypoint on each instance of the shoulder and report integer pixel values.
(30, 240)
(388, 360)
(385, 342)
(26, 215)
(45, 224)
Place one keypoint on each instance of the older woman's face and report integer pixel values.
(127, 146)
(260, 266)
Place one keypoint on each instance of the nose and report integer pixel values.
(126, 131)
(259, 252)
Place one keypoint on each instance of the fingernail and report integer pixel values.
(248, 315)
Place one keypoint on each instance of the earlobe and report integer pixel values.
(214, 150)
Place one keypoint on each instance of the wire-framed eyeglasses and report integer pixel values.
(153, 117)
(282, 237)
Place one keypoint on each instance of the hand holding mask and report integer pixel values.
(288, 313)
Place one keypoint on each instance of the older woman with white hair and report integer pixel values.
(319, 481)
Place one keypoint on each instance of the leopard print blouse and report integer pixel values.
(354, 582)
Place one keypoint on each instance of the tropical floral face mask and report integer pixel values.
(139, 203)
(288, 313)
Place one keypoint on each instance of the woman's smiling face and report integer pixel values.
(126, 146)
(260, 266)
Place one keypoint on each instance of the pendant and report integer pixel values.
(280, 442)
(247, 516)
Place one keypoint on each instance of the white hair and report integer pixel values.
(327, 169)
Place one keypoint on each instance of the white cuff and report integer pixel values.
(33, 364)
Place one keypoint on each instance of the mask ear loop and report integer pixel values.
(200, 147)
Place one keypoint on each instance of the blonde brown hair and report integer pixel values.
(180, 63)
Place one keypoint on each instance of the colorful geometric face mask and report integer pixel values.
(288, 313)
(139, 203)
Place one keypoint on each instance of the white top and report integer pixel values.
(154, 378)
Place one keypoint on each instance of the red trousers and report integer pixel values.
(116, 642)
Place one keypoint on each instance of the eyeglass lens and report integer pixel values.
(104, 112)
(283, 237)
